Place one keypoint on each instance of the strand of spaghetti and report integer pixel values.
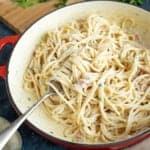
(131, 113)
(61, 96)
(92, 92)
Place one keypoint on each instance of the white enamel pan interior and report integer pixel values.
(23, 51)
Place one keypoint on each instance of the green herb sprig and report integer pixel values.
(61, 3)
(25, 3)
(28, 3)
(41, 1)
(134, 2)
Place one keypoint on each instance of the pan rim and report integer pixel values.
(60, 140)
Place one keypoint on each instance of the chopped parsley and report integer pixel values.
(100, 85)
(100, 99)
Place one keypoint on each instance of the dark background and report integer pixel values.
(31, 140)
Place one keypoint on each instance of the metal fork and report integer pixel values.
(8, 132)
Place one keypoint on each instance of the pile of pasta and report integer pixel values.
(101, 77)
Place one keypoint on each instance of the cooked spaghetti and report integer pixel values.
(101, 76)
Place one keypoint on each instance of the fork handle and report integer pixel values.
(8, 132)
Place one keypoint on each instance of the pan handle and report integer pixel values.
(4, 41)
